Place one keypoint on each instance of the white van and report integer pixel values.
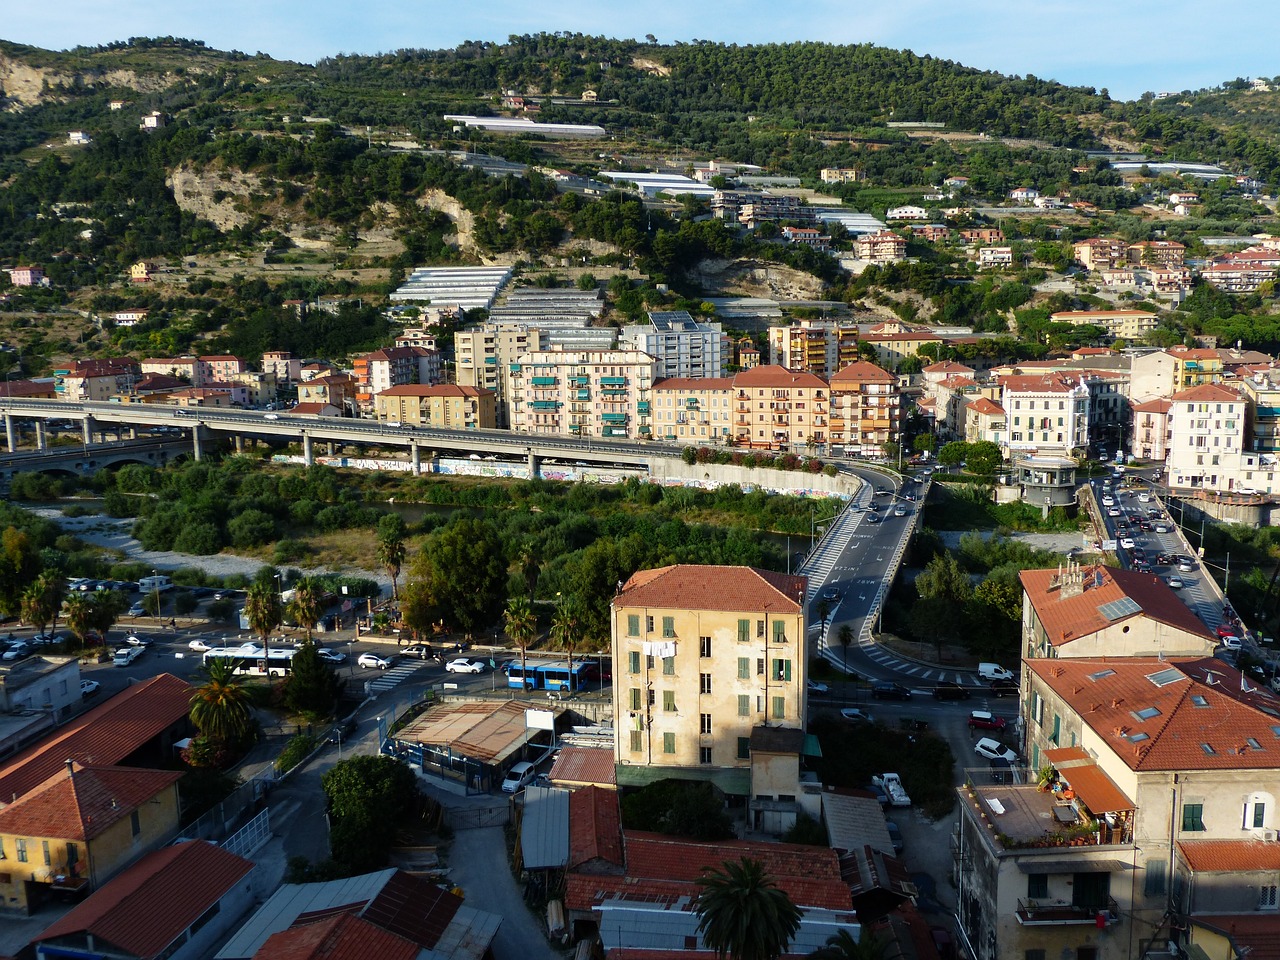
(993, 671)
(154, 584)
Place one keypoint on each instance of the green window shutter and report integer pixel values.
(669, 666)
(744, 631)
(779, 631)
(744, 668)
(744, 748)
(637, 741)
(668, 743)
(668, 626)
(779, 708)
(633, 661)
(633, 625)
(744, 705)
(669, 701)
(635, 698)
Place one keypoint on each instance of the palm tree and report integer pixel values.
(566, 629)
(220, 706)
(530, 566)
(392, 551)
(78, 614)
(263, 610)
(522, 627)
(304, 608)
(742, 914)
(104, 611)
(842, 946)
(41, 601)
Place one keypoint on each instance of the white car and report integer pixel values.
(518, 777)
(1127, 543)
(374, 660)
(1144, 497)
(856, 715)
(1231, 643)
(199, 646)
(17, 652)
(1108, 501)
(1174, 581)
(994, 750)
(89, 687)
(816, 687)
(1186, 566)
(899, 511)
(465, 665)
(137, 609)
(1113, 512)
(134, 640)
(331, 656)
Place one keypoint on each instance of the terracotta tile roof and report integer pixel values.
(772, 375)
(143, 909)
(1067, 316)
(436, 390)
(986, 407)
(1160, 405)
(1048, 383)
(1256, 935)
(1230, 856)
(695, 383)
(104, 736)
(862, 371)
(105, 367)
(1067, 618)
(687, 586)
(595, 827)
(337, 937)
(81, 805)
(584, 765)
(1181, 723)
(1208, 393)
(312, 408)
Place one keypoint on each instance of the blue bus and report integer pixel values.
(550, 674)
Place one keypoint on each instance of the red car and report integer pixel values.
(985, 720)
(1227, 630)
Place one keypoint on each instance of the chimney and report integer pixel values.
(71, 766)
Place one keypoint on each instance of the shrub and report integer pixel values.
(295, 751)
(251, 528)
(201, 539)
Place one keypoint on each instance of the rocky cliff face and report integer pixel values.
(23, 86)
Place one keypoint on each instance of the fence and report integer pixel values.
(891, 570)
(251, 837)
(216, 823)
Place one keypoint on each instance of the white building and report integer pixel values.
(680, 345)
(582, 393)
(1048, 415)
(1207, 431)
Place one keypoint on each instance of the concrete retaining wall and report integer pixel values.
(709, 476)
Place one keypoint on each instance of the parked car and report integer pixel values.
(17, 651)
(986, 720)
(329, 655)
(994, 750)
(878, 791)
(137, 609)
(374, 661)
(465, 665)
(518, 777)
(887, 690)
(947, 690)
(89, 688)
(895, 836)
(1004, 688)
(857, 715)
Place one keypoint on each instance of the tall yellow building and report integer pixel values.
(706, 659)
(442, 405)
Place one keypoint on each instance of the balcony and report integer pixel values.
(1058, 913)
(613, 417)
(544, 381)
(577, 381)
(582, 395)
(642, 406)
(544, 404)
(613, 381)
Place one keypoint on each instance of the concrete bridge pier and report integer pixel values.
(11, 432)
(195, 442)
(415, 457)
(239, 444)
(308, 455)
(533, 464)
(86, 427)
(42, 439)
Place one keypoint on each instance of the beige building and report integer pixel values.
(484, 355)
(444, 405)
(820, 347)
(1152, 429)
(693, 410)
(776, 409)
(1102, 253)
(705, 657)
(582, 393)
(95, 380)
(1207, 427)
(865, 409)
(1126, 324)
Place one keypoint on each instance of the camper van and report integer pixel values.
(155, 584)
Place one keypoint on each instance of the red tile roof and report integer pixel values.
(336, 937)
(1230, 856)
(1256, 935)
(696, 383)
(1048, 383)
(1160, 405)
(986, 407)
(104, 736)
(772, 375)
(312, 408)
(437, 390)
(861, 371)
(595, 827)
(1208, 393)
(584, 765)
(142, 910)
(83, 804)
(1067, 618)
(687, 586)
(1228, 724)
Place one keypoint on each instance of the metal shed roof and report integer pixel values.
(544, 830)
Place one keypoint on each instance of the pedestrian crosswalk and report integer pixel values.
(392, 677)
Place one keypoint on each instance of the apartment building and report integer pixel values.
(841, 174)
(336, 390)
(1152, 430)
(95, 380)
(778, 409)
(587, 393)
(1101, 253)
(390, 367)
(1131, 325)
(1157, 253)
(445, 405)
(286, 367)
(984, 419)
(706, 657)
(820, 347)
(865, 406)
(892, 348)
(680, 345)
(693, 410)
(884, 246)
(1155, 821)
(482, 353)
(1207, 438)
(989, 257)
(1048, 415)
(1261, 388)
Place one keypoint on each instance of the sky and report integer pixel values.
(1127, 47)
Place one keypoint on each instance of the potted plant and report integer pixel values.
(1046, 777)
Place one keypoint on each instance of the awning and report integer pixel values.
(1079, 865)
(1096, 789)
(735, 782)
(1067, 756)
(811, 746)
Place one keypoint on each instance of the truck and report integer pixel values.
(891, 784)
(126, 655)
(156, 584)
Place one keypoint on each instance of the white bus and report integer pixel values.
(249, 659)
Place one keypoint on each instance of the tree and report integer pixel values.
(953, 454)
(104, 611)
(366, 795)
(77, 611)
(304, 607)
(522, 627)
(312, 687)
(842, 946)
(264, 612)
(845, 637)
(742, 914)
(42, 600)
(391, 548)
(566, 628)
(924, 443)
(984, 458)
(19, 566)
(460, 571)
(220, 705)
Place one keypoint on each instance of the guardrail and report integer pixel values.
(891, 570)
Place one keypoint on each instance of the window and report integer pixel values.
(704, 755)
(759, 628)
(21, 845)
(668, 701)
(744, 748)
(73, 856)
(637, 741)
(779, 708)
(1035, 954)
(781, 670)
(1154, 884)
(1267, 896)
(135, 823)
(760, 666)
(648, 624)
(1057, 730)
(635, 698)
(779, 631)
(1038, 886)
(668, 743)
(744, 631)
(704, 647)
(704, 722)
(669, 666)
(633, 625)
(1192, 817)
(44, 848)
(651, 697)
(744, 668)
(633, 661)
(1259, 815)
(668, 626)
(704, 682)
(744, 705)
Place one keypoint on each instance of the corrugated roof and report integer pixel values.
(575, 765)
(143, 909)
(338, 937)
(81, 804)
(489, 732)
(544, 828)
(1096, 789)
(595, 827)
(104, 736)
(1230, 856)
(695, 587)
(1068, 617)
(1176, 721)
